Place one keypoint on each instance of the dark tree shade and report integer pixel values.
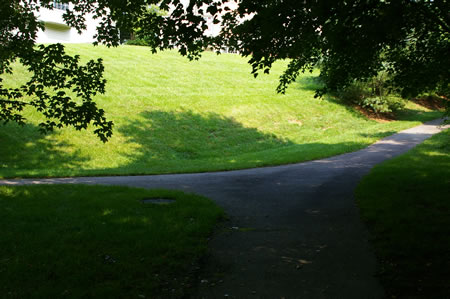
(351, 40)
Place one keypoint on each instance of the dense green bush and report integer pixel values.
(383, 104)
(355, 93)
(137, 42)
(374, 95)
(444, 91)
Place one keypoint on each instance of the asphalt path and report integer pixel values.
(294, 230)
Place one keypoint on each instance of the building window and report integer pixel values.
(58, 5)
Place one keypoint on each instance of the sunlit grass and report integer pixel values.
(173, 115)
(406, 204)
(101, 242)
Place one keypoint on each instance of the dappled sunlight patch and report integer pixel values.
(107, 212)
(431, 153)
(37, 151)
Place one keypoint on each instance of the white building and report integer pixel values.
(57, 31)
(213, 29)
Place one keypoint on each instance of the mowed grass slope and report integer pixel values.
(172, 115)
(406, 205)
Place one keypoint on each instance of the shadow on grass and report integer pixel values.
(163, 142)
(378, 135)
(187, 135)
(23, 148)
(100, 242)
(308, 82)
(408, 114)
(189, 142)
(313, 83)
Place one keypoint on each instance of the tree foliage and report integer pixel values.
(350, 40)
(54, 75)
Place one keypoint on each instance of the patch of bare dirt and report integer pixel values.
(296, 122)
(431, 102)
(379, 117)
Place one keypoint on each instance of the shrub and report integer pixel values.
(444, 91)
(386, 104)
(137, 42)
(374, 95)
(354, 93)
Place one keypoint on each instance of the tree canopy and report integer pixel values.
(349, 40)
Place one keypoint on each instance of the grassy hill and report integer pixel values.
(172, 115)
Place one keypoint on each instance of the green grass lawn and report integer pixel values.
(74, 241)
(406, 205)
(172, 115)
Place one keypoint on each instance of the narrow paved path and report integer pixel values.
(295, 230)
